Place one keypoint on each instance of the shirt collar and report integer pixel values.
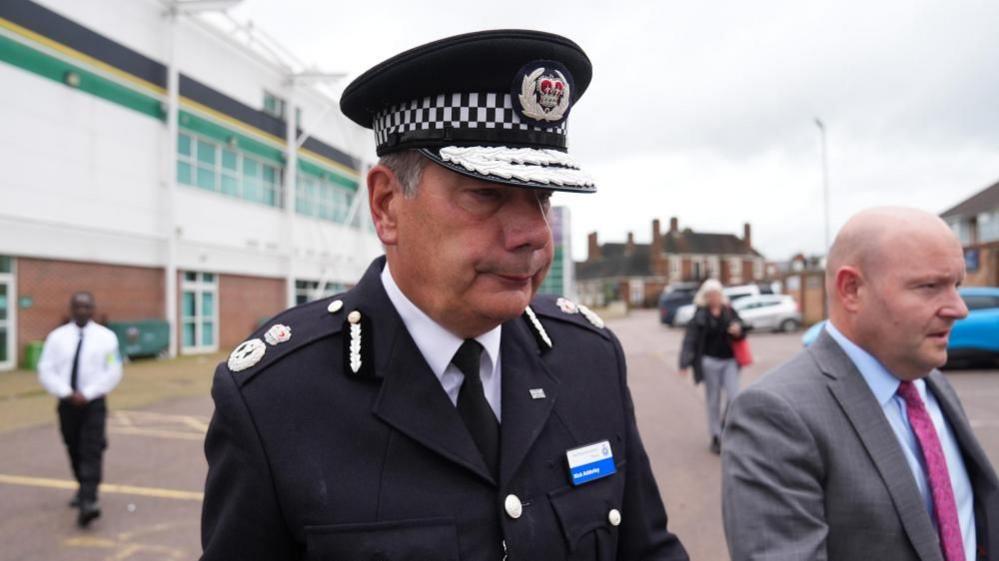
(436, 343)
(881, 381)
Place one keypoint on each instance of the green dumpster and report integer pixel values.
(141, 338)
(32, 353)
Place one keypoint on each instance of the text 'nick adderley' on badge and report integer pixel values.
(587, 463)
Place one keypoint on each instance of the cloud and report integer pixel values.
(705, 110)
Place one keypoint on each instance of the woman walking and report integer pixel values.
(707, 347)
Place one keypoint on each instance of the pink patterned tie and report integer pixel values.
(944, 505)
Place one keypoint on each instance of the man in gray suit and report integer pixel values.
(858, 448)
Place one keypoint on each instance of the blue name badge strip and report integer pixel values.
(587, 463)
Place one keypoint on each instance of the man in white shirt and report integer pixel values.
(80, 365)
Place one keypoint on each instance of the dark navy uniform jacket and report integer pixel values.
(308, 460)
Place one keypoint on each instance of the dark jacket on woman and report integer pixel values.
(708, 336)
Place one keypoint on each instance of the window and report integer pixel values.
(307, 291)
(735, 270)
(674, 267)
(713, 265)
(274, 105)
(199, 312)
(758, 269)
(988, 227)
(320, 198)
(962, 230)
(212, 166)
(7, 311)
(636, 292)
(554, 282)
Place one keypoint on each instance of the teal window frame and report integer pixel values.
(322, 199)
(207, 164)
(199, 313)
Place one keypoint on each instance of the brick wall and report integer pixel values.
(243, 303)
(122, 294)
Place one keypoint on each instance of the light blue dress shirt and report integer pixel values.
(885, 387)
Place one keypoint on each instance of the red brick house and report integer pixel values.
(637, 273)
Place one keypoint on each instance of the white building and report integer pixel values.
(208, 213)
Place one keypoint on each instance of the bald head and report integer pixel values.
(892, 276)
(872, 238)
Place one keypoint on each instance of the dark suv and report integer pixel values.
(670, 301)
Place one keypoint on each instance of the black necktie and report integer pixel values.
(472, 405)
(76, 364)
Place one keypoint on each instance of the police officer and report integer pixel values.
(438, 411)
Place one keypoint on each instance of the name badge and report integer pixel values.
(587, 463)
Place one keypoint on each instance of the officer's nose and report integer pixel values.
(525, 220)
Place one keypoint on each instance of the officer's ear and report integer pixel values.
(384, 195)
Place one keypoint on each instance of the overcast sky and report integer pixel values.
(705, 110)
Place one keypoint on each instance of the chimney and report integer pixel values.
(747, 235)
(594, 247)
(630, 247)
(657, 238)
(674, 225)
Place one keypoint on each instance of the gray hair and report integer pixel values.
(408, 168)
(710, 285)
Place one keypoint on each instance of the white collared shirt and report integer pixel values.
(99, 367)
(884, 385)
(438, 345)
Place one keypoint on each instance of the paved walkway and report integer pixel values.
(155, 467)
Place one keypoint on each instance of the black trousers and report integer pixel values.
(83, 431)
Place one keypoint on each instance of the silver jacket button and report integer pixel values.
(614, 517)
(514, 508)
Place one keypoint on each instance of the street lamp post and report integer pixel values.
(825, 179)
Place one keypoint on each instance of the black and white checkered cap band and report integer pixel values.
(462, 119)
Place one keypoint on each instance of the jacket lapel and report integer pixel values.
(411, 398)
(983, 479)
(865, 414)
(524, 416)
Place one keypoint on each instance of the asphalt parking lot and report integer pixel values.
(154, 467)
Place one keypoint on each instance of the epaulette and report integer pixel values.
(281, 335)
(567, 311)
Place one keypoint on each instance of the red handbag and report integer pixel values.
(742, 352)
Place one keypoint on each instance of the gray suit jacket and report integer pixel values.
(813, 471)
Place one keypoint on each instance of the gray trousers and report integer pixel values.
(719, 374)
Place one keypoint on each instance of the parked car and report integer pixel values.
(974, 338)
(669, 302)
(741, 291)
(684, 314)
(776, 312)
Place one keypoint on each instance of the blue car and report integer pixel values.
(974, 338)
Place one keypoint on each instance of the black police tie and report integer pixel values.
(76, 364)
(472, 405)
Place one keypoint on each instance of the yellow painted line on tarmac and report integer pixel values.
(108, 488)
(158, 433)
(88, 541)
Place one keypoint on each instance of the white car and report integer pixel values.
(776, 312)
(734, 293)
